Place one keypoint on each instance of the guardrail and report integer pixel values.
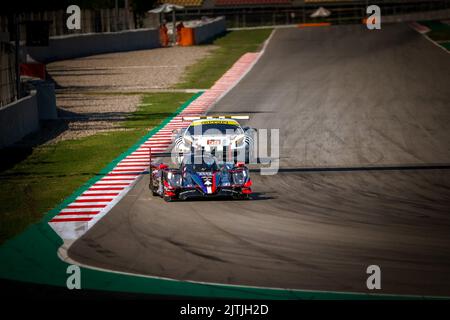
(79, 45)
(428, 15)
(200, 31)
(209, 30)
(8, 90)
(92, 20)
(342, 12)
(18, 119)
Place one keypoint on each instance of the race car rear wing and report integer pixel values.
(237, 117)
(154, 155)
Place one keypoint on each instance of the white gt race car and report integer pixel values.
(217, 135)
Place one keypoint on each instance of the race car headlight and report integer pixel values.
(188, 140)
(239, 177)
(239, 140)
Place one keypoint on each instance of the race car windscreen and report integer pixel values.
(214, 128)
(201, 164)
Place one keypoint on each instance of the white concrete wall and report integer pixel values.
(208, 31)
(46, 99)
(18, 119)
(79, 45)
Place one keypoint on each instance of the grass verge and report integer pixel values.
(440, 32)
(231, 47)
(52, 172)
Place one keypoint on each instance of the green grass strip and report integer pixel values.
(50, 173)
(446, 45)
(230, 48)
(439, 31)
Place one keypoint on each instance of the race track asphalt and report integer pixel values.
(359, 113)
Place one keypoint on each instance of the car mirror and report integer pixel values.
(249, 129)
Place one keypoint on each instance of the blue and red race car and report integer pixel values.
(200, 176)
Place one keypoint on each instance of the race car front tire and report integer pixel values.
(168, 199)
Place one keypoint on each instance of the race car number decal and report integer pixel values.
(213, 142)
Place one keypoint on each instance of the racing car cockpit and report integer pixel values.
(200, 175)
(199, 163)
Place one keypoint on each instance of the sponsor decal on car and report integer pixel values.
(205, 122)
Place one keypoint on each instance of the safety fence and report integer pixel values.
(92, 21)
(8, 90)
(342, 12)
